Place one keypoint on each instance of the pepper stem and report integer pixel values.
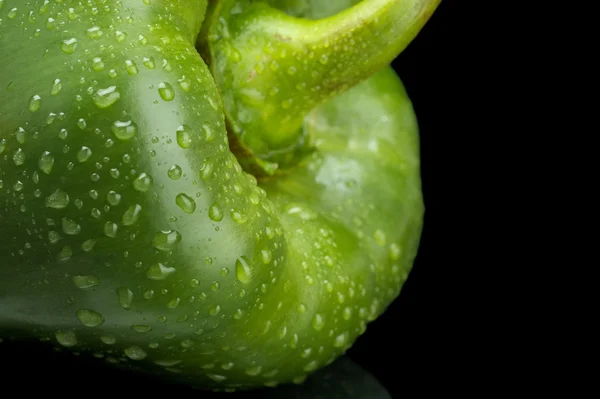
(273, 68)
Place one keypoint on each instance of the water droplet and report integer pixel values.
(159, 271)
(329, 286)
(68, 46)
(239, 217)
(185, 84)
(125, 297)
(35, 103)
(217, 377)
(81, 123)
(46, 162)
(143, 182)
(294, 341)
(206, 170)
(266, 256)
(242, 270)
(173, 303)
(90, 318)
(56, 87)
(282, 332)
(131, 68)
(85, 281)
(135, 353)
(53, 237)
(97, 64)
(66, 338)
(340, 340)
(306, 353)
(148, 294)
(50, 23)
(227, 366)
(167, 363)
(209, 134)
(175, 172)
(124, 130)
(84, 154)
(312, 366)
(143, 40)
(141, 328)
(63, 134)
(132, 215)
(58, 199)
(184, 136)
(149, 62)
(94, 32)
(238, 314)
(70, 227)
(286, 104)
(113, 73)
(12, 13)
(268, 325)
(215, 213)
(104, 98)
(166, 91)
(166, 240)
(254, 371)
(71, 14)
(108, 339)
(379, 237)
(212, 103)
(395, 251)
(214, 310)
(88, 245)
(186, 203)
(318, 322)
(111, 229)
(120, 36)
(50, 119)
(187, 343)
(113, 198)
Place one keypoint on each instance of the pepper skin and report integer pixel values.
(131, 232)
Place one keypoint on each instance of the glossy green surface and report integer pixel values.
(130, 231)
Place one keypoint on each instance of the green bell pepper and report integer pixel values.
(224, 202)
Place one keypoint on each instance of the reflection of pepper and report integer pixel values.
(129, 229)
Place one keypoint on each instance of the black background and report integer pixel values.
(412, 346)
